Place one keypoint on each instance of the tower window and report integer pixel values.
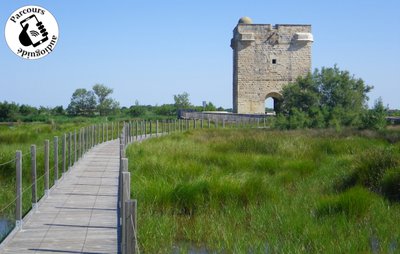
(273, 61)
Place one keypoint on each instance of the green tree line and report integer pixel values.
(98, 102)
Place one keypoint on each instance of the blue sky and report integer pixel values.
(150, 50)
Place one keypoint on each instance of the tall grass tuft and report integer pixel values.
(353, 203)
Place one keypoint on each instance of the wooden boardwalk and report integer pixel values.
(80, 213)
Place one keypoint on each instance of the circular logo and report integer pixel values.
(31, 32)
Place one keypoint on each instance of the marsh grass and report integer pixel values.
(258, 191)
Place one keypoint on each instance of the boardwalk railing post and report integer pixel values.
(150, 129)
(46, 167)
(145, 128)
(102, 140)
(126, 178)
(33, 177)
(131, 228)
(112, 130)
(69, 150)
(93, 136)
(56, 160)
(136, 129)
(156, 128)
(18, 205)
(118, 130)
(209, 123)
(80, 143)
(74, 146)
(64, 152)
(107, 131)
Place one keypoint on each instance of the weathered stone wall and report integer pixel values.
(265, 58)
(227, 117)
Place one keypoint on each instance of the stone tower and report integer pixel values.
(265, 58)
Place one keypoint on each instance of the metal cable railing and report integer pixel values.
(73, 147)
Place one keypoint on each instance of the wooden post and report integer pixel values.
(118, 129)
(86, 131)
(201, 123)
(126, 178)
(131, 228)
(150, 129)
(46, 167)
(112, 130)
(131, 133)
(156, 128)
(74, 146)
(136, 129)
(55, 160)
(90, 143)
(80, 143)
(64, 152)
(107, 131)
(145, 128)
(18, 205)
(223, 123)
(69, 150)
(83, 141)
(102, 141)
(94, 134)
(91, 137)
(194, 124)
(33, 177)
(216, 123)
(99, 133)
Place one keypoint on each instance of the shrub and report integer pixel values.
(328, 97)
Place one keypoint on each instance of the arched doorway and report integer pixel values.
(272, 103)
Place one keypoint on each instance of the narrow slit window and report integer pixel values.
(273, 61)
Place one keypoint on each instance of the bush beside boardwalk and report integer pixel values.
(241, 191)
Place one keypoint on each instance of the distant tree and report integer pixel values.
(330, 97)
(166, 110)
(83, 103)
(8, 111)
(105, 105)
(58, 110)
(26, 110)
(137, 109)
(210, 107)
(44, 110)
(182, 101)
(375, 118)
